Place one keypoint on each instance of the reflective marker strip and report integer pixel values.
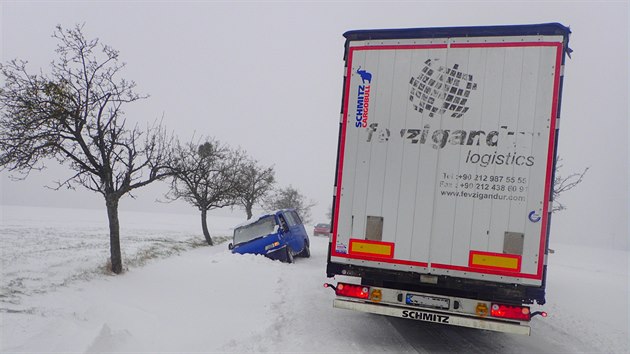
(372, 248)
(479, 259)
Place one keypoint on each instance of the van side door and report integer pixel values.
(300, 231)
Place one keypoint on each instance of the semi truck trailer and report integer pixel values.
(444, 175)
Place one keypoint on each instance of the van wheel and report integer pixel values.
(306, 252)
(289, 255)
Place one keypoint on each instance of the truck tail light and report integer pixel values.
(351, 290)
(520, 313)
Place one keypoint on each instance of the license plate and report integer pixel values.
(428, 301)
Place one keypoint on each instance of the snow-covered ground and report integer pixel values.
(55, 295)
(44, 248)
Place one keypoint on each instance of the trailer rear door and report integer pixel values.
(446, 155)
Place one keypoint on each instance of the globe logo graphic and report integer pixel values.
(441, 90)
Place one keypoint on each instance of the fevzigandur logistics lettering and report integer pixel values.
(440, 138)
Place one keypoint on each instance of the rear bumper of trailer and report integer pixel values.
(433, 316)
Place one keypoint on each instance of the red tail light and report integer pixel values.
(520, 313)
(351, 290)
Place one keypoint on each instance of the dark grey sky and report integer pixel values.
(267, 76)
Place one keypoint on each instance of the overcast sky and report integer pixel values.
(267, 76)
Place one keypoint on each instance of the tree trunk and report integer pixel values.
(204, 226)
(248, 210)
(114, 233)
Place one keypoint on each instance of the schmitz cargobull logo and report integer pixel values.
(438, 89)
(363, 99)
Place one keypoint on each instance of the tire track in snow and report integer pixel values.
(261, 340)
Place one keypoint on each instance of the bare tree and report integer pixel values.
(563, 184)
(206, 176)
(74, 115)
(291, 198)
(256, 182)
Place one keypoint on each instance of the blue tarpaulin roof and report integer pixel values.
(476, 31)
(473, 31)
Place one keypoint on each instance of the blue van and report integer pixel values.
(279, 235)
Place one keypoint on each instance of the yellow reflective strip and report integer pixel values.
(384, 250)
(495, 261)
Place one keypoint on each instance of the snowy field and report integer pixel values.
(44, 248)
(175, 296)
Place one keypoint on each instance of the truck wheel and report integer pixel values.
(289, 255)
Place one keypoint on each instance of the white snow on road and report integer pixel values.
(206, 299)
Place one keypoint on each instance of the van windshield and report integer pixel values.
(262, 227)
